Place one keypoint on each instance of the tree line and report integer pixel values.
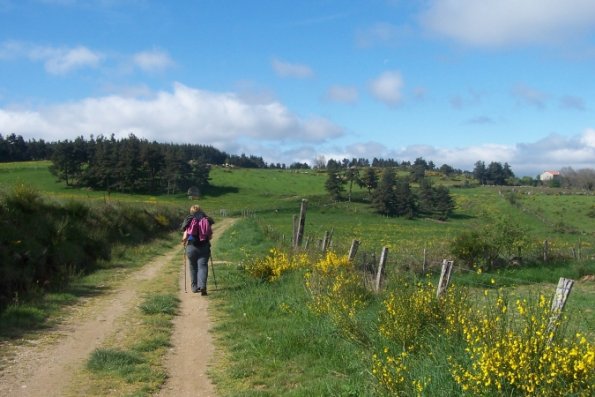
(133, 165)
(391, 195)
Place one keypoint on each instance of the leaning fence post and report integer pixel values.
(325, 241)
(300, 229)
(558, 302)
(353, 249)
(293, 229)
(381, 264)
(444, 277)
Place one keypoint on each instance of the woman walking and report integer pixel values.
(197, 240)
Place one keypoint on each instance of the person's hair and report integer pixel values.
(194, 209)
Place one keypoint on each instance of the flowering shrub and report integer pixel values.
(515, 350)
(277, 262)
(337, 291)
(414, 318)
(414, 310)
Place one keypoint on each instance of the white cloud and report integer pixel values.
(152, 61)
(588, 138)
(342, 94)
(525, 159)
(379, 33)
(183, 115)
(509, 22)
(530, 95)
(387, 88)
(62, 61)
(286, 69)
(56, 60)
(572, 102)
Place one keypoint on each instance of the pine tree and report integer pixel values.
(384, 198)
(334, 183)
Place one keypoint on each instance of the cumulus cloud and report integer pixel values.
(183, 115)
(152, 61)
(387, 88)
(295, 70)
(343, 94)
(56, 60)
(508, 22)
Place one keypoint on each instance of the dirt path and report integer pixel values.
(188, 361)
(44, 366)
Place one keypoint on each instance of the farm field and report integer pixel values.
(274, 341)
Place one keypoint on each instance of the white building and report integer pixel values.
(549, 175)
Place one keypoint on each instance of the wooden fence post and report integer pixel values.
(293, 229)
(302, 222)
(558, 302)
(545, 250)
(353, 250)
(381, 264)
(444, 277)
(325, 241)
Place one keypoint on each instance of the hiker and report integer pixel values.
(196, 238)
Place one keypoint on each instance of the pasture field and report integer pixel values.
(565, 219)
(283, 337)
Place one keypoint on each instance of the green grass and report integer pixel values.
(271, 343)
(165, 304)
(277, 347)
(267, 328)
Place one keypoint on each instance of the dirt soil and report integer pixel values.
(43, 366)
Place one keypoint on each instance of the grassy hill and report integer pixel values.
(333, 335)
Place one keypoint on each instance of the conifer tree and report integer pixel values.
(334, 183)
(384, 199)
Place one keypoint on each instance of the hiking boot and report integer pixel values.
(203, 292)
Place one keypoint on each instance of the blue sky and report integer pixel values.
(452, 81)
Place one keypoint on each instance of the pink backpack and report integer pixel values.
(201, 228)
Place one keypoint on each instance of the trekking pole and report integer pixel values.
(213, 269)
(185, 270)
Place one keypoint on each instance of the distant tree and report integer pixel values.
(446, 169)
(351, 177)
(405, 199)
(444, 203)
(176, 171)
(384, 199)
(480, 172)
(153, 163)
(68, 159)
(370, 179)
(299, 166)
(320, 162)
(418, 169)
(579, 179)
(332, 163)
(435, 202)
(199, 173)
(334, 183)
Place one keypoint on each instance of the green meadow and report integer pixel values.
(279, 337)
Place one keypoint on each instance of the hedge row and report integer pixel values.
(44, 243)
